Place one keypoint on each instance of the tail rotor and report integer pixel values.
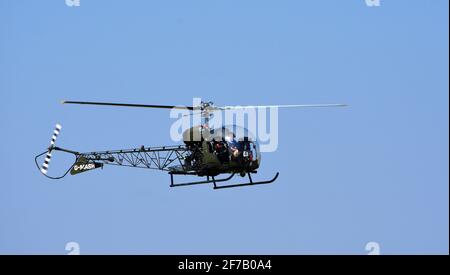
(48, 157)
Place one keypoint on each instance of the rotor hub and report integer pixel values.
(206, 105)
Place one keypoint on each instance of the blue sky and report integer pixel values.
(377, 171)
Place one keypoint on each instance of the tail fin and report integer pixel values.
(84, 165)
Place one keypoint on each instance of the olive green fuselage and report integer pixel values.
(206, 159)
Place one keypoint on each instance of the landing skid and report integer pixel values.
(214, 181)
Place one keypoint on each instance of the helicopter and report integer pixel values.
(206, 152)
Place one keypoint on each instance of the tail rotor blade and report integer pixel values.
(55, 134)
(44, 168)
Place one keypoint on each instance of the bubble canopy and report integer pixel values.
(238, 142)
(236, 137)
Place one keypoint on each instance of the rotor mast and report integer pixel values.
(206, 109)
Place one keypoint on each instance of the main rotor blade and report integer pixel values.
(128, 105)
(280, 106)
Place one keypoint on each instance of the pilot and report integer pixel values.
(234, 151)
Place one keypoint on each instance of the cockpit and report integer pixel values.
(234, 144)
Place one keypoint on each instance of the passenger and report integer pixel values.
(221, 151)
(218, 147)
